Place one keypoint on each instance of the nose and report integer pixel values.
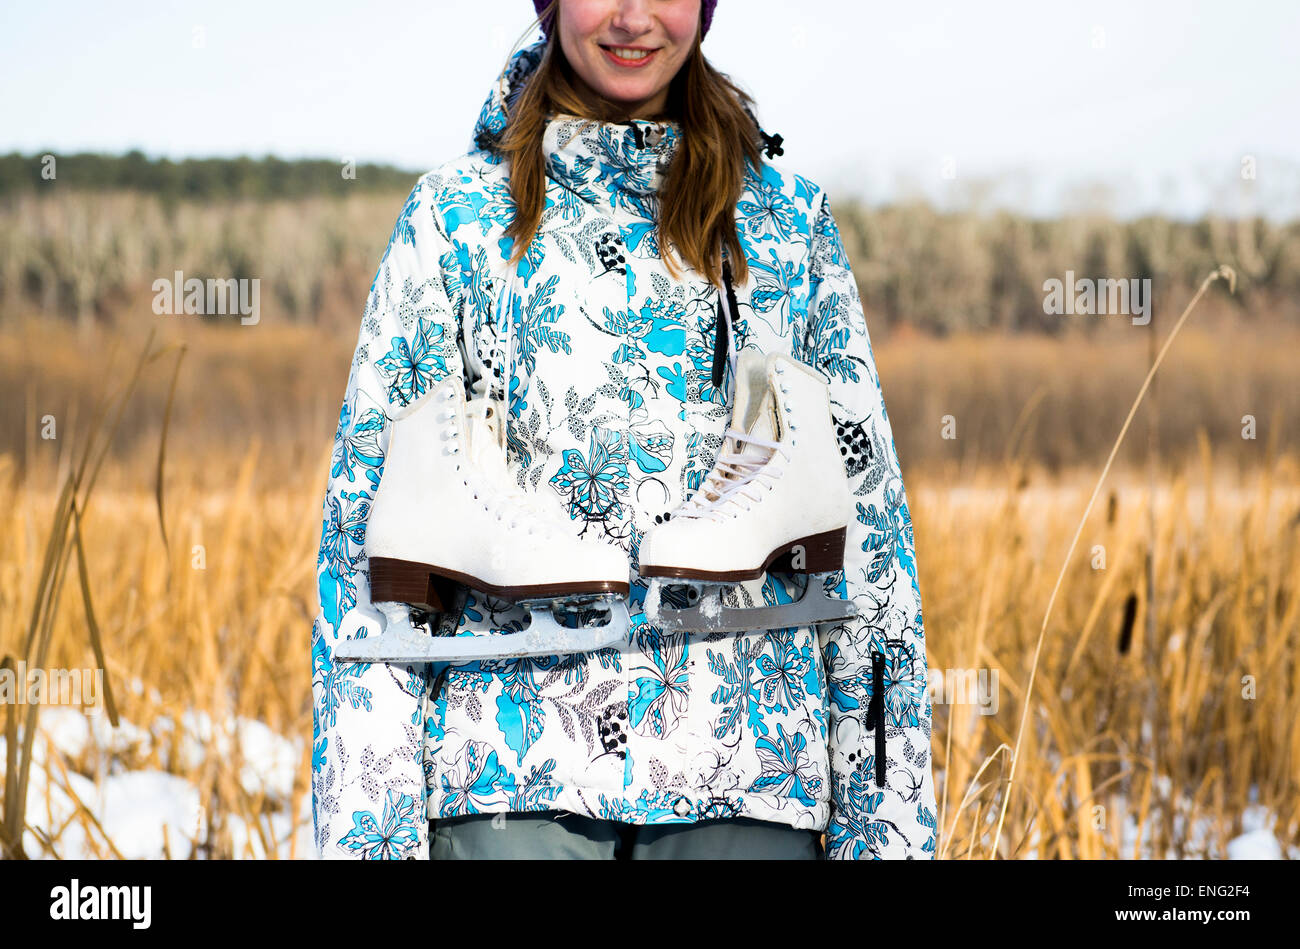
(632, 17)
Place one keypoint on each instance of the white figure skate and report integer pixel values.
(776, 498)
(448, 513)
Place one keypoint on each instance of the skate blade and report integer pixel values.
(402, 642)
(709, 615)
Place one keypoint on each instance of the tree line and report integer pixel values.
(195, 178)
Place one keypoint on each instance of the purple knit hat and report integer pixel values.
(706, 7)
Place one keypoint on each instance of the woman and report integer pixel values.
(582, 239)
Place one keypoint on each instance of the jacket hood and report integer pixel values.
(619, 165)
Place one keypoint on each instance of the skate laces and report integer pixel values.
(735, 473)
(502, 496)
(489, 477)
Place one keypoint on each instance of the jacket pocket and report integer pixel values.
(876, 713)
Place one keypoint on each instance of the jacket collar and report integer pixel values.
(616, 165)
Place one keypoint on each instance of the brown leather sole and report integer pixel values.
(822, 553)
(428, 587)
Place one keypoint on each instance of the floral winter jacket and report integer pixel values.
(611, 404)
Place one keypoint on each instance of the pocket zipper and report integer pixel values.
(876, 713)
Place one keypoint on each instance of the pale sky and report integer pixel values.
(1133, 105)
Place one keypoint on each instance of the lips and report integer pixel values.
(650, 56)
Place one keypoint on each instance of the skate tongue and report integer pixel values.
(484, 447)
(765, 426)
(483, 435)
(486, 451)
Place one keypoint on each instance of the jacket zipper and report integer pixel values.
(876, 713)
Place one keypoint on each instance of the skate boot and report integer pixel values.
(776, 498)
(448, 516)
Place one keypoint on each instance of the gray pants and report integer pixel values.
(556, 835)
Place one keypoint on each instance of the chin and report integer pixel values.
(627, 97)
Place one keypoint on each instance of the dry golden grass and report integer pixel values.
(1158, 735)
(1139, 739)
(282, 385)
(1123, 731)
(229, 641)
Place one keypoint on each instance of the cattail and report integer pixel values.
(1126, 628)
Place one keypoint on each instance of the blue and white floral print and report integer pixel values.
(606, 360)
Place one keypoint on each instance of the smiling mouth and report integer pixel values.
(629, 55)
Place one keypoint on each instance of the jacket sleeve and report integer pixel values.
(368, 782)
(882, 793)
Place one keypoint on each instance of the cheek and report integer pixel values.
(680, 20)
(582, 18)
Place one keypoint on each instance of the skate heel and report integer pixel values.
(402, 581)
(822, 553)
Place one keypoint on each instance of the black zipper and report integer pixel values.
(876, 713)
(435, 690)
(723, 327)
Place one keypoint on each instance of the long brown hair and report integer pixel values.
(697, 198)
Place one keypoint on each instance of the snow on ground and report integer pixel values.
(1258, 840)
(140, 810)
(269, 760)
(148, 813)
(1255, 845)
